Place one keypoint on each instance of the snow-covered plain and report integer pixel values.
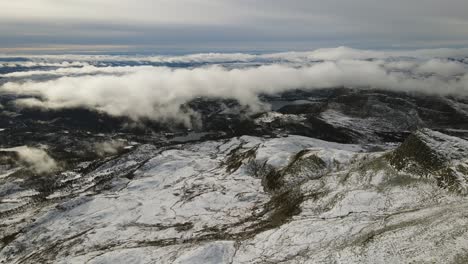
(243, 200)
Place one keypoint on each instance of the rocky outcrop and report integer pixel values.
(430, 154)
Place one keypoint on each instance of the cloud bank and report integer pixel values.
(339, 53)
(159, 93)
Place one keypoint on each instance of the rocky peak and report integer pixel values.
(428, 153)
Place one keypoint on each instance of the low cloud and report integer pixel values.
(442, 67)
(42, 63)
(108, 147)
(327, 54)
(34, 158)
(159, 93)
(84, 70)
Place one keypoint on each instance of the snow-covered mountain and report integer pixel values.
(219, 159)
(247, 200)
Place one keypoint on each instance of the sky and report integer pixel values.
(185, 26)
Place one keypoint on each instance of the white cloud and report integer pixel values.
(442, 67)
(333, 54)
(29, 64)
(159, 92)
(66, 71)
(110, 147)
(35, 158)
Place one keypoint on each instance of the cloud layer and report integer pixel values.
(339, 53)
(158, 93)
(236, 24)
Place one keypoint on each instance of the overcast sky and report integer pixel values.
(230, 25)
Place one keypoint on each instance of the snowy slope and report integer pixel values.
(245, 200)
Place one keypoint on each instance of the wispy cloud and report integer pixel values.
(110, 147)
(34, 158)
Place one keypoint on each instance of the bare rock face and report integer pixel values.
(431, 154)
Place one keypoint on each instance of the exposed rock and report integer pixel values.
(431, 154)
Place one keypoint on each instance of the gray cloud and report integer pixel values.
(192, 23)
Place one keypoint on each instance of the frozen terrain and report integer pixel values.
(331, 156)
(245, 200)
